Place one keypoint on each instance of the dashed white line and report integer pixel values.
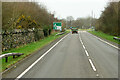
(92, 64)
(90, 61)
(86, 53)
(82, 43)
(83, 46)
(39, 59)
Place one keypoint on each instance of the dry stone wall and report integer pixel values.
(14, 39)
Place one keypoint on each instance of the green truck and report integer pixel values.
(74, 30)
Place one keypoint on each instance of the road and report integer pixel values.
(77, 56)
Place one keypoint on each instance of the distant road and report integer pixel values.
(77, 56)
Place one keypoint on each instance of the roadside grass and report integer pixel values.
(28, 49)
(84, 29)
(104, 36)
(68, 30)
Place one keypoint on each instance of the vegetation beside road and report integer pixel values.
(109, 19)
(107, 26)
(104, 36)
(28, 49)
(29, 19)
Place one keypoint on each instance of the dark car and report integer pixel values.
(74, 30)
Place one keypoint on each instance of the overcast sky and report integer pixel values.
(75, 8)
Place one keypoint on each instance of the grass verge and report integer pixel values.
(104, 36)
(28, 49)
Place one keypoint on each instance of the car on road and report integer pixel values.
(74, 30)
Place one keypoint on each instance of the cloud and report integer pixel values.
(75, 8)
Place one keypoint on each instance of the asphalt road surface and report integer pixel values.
(77, 56)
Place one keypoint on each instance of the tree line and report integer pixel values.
(110, 19)
(25, 15)
(81, 23)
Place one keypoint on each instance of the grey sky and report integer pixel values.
(75, 8)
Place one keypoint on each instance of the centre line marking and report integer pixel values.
(90, 61)
(86, 53)
(23, 73)
(92, 64)
(83, 46)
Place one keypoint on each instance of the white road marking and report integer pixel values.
(83, 46)
(90, 61)
(86, 53)
(106, 42)
(97, 75)
(82, 43)
(109, 43)
(92, 64)
(39, 59)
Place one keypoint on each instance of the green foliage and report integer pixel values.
(104, 36)
(25, 15)
(27, 50)
(47, 30)
(108, 21)
(26, 23)
(38, 34)
(63, 28)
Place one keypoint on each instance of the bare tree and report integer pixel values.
(69, 21)
(12, 11)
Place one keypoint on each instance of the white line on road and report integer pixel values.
(92, 64)
(108, 43)
(86, 53)
(39, 59)
(105, 42)
(82, 43)
(83, 46)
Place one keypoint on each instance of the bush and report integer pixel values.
(47, 30)
(38, 34)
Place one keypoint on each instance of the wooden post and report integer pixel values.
(13, 56)
(6, 59)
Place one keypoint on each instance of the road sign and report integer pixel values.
(57, 26)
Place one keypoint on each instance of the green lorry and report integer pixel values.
(74, 30)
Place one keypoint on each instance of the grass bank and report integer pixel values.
(28, 49)
(104, 36)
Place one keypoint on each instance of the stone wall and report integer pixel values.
(16, 38)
